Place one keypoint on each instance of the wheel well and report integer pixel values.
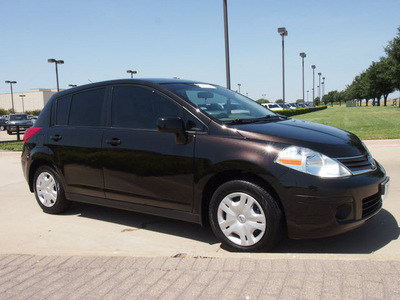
(226, 176)
(34, 166)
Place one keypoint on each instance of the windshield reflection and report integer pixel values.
(220, 103)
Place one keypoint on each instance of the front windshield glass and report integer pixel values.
(220, 103)
(18, 117)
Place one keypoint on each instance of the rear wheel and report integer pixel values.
(245, 217)
(49, 191)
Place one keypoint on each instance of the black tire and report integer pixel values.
(49, 191)
(250, 218)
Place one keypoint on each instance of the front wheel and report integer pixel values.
(49, 191)
(245, 217)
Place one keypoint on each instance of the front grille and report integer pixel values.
(358, 164)
(371, 205)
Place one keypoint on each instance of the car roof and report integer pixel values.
(142, 81)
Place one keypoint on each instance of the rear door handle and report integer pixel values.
(114, 142)
(56, 137)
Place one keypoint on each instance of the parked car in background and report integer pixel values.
(17, 122)
(33, 119)
(162, 147)
(272, 106)
(3, 122)
(287, 106)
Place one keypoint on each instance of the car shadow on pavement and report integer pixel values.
(372, 236)
(138, 221)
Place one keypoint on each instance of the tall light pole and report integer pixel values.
(132, 72)
(56, 62)
(313, 84)
(239, 85)
(303, 55)
(228, 71)
(22, 98)
(319, 87)
(12, 97)
(283, 32)
(323, 87)
(307, 95)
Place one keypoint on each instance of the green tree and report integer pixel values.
(330, 97)
(393, 52)
(381, 78)
(279, 101)
(262, 100)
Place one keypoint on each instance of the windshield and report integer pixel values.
(18, 117)
(220, 103)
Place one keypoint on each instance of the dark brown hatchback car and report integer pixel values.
(200, 153)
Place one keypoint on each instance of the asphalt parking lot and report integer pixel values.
(107, 253)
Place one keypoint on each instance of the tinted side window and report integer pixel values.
(135, 107)
(62, 110)
(86, 108)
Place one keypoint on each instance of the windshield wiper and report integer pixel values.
(257, 120)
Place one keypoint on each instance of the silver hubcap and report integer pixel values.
(46, 189)
(241, 219)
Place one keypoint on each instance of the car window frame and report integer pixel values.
(53, 115)
(183, 110)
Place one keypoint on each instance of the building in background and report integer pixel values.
(33, 100)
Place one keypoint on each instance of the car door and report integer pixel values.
(75, 139)
(142, 165)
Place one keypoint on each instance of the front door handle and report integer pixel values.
(114, 142)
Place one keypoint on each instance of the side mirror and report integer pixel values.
(173, 125)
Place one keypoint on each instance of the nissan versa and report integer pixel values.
(204, 154)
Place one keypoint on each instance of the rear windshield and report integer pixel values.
(219, 103)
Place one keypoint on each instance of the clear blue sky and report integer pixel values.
(100, 40)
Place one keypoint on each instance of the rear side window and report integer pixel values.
(62, 111)
(86, 108)
(140, 108)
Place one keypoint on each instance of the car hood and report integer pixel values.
(325, 139)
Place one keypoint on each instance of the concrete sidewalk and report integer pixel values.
(76, 277)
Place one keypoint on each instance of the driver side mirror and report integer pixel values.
(173, 125)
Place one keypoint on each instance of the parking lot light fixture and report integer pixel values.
(131, 72)
(319, 87)
(12, 97)
(56, 62)
(283, 32)
(22, 98)
(303, 55)
(227, 64)
(313, 84)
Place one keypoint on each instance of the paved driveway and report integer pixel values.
(91, 230)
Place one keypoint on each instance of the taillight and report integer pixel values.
(30, 132)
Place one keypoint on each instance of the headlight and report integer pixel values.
(311, 162)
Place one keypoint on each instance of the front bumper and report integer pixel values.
(331, 206)
(14, 128)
